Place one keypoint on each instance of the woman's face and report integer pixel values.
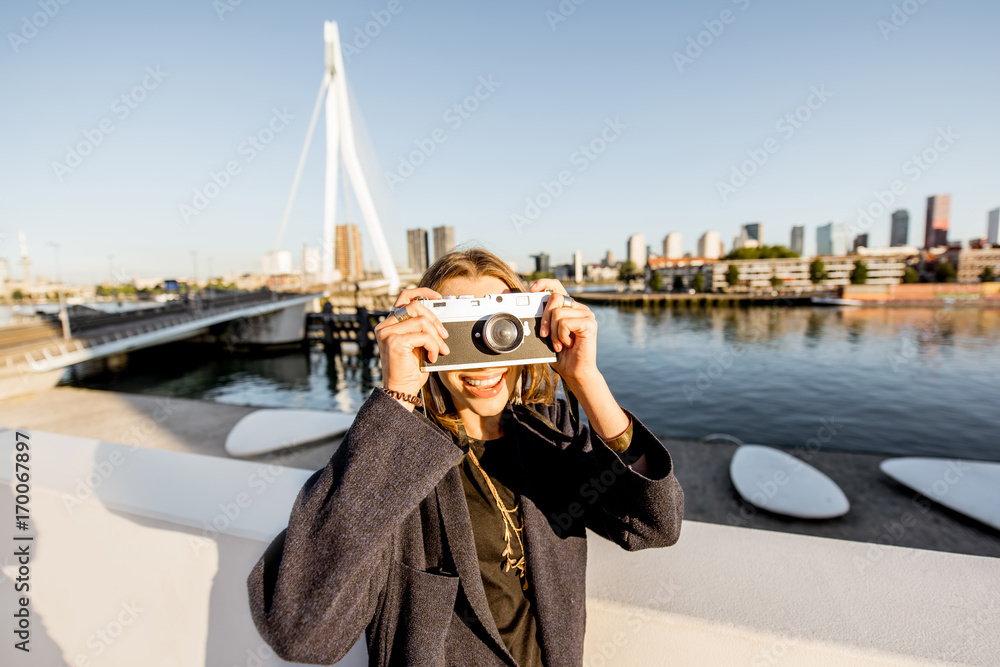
(484, 391)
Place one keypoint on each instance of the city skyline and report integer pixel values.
(252, 76)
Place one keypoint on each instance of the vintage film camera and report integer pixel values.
(492, 330)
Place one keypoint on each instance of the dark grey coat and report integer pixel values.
(380, 540)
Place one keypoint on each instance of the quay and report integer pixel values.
(699, 300)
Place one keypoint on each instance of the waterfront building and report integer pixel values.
(636, 250)
(710, 245)
(798, 240)
(578, 267)
(969, 263)
(348, 260)
(673, 246)
(938, 216)
(417, 251)
(833, 238)
(444, 241)
(756, 274)
(993, 227)
(900, 232)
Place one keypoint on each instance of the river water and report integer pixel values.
(913, 381)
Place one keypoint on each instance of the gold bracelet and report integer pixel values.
(620, 443)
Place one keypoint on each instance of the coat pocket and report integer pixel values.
(426, 607)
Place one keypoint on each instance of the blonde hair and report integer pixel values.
(474, 263)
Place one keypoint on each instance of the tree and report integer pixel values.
(656, 282)
(817, 271)
(859, 276)
(988, 275)
(538, 275)
(776, 283)
(678, 284)
(628, 271)
(910, 275)
(698, 282)
(17, 295)
(733, 275)
(762, 252)
(946, 272)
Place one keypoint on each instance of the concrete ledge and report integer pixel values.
(148, 533)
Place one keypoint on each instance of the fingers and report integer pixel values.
(408, 295)
(550, 284)
(555, 303)
(421, 329)
(415, 310)
(409, 341)
(569, 323)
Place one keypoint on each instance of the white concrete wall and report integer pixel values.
(115, 587)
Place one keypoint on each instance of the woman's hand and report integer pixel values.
(400, 343)
(573, 330)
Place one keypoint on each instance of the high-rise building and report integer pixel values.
(578, 267)
(798, 240)
(542, 262)
(310, 264)
(753, 234)
(993, 227)
(416, 245)
(938, 214)
(347, 258)
(636, 250)
(860, 241)
(900, 233)
(710, 245)
(673, 246)
(276, 263)
(833, 238)
(609, 259)
(444, 241)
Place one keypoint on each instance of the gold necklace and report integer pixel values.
(507, 561)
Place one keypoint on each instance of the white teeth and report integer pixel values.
(489, 382)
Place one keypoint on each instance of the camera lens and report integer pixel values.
(503, 333)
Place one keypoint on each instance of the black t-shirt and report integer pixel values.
(513, 608)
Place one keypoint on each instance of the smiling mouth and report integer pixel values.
(485, 385)
(482, 382)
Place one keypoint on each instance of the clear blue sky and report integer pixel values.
(890, 94)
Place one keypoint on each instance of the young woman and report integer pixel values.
(451, 529)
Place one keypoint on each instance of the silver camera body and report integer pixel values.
(491, 330)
